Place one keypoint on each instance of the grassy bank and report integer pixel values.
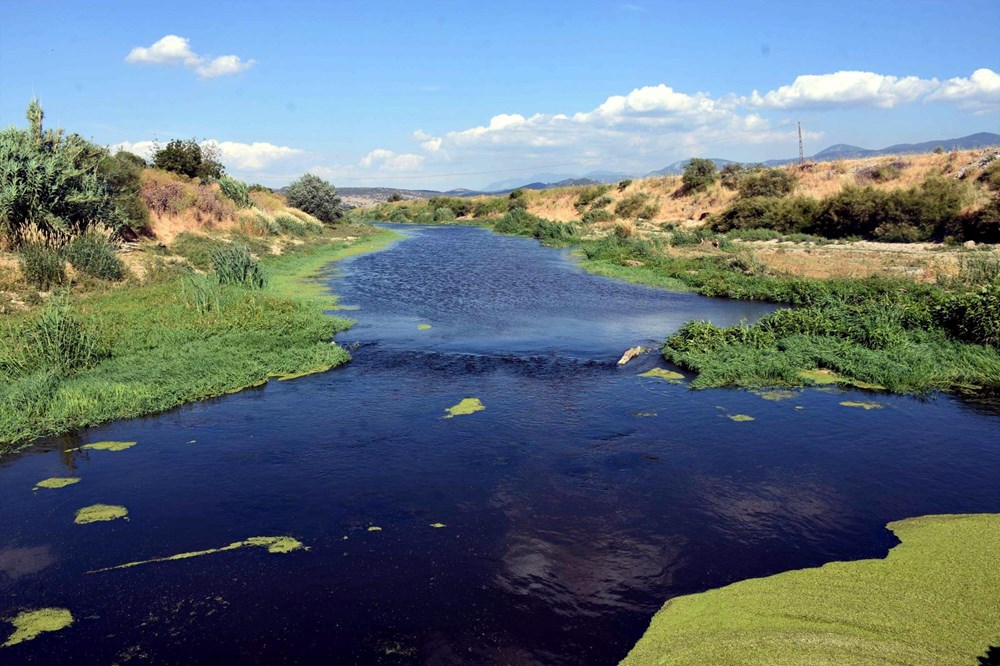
(176, 337)
(932, 601)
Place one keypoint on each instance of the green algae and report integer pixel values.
(423, 327)
(438, 525)
(106, 446)
(775, 395)
(285, 376)
(466, 406)
(740, 417)
(824, 377)
(374, 528)
(57, 482)
(31, 624)
(933, 600)
(861, 405)
(661, 373)
(273, 544)
(99, 513)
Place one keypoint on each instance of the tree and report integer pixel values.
(699, 173)
(315, 196)
(189, 158)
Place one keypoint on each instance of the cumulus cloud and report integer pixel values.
(239, 156)
(175, 50)
(844, 89)
(388, 160)
(979, 92)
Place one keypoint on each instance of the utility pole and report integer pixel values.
(802, 156)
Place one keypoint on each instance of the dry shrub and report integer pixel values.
(211, 207)
(162, 197)
(268, 201)
(624, 229)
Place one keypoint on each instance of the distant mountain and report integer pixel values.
(607, 176)
(677, 168)
(514, 183)
(843, 151)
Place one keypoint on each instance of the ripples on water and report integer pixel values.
(575, 504)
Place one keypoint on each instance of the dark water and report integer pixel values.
(575, 504)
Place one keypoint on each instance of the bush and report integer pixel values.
(597, 215)
(991, 175)
(517, 199)
(41, 259)
(162, 197)
(458, 206)
(591, 194)
(880, 173)
(489, 207)
(294, 226)
(56, 342)
(53, 182)
(699, 174)
(623, 184)
(255, 222)
(766, 183)
(236, 191)
(444, 214)
(92, 252)
(730, 175)
(233, 264)
(973, 317)
(123, 173)
(190, 159)
(315, 196)
(636, 206)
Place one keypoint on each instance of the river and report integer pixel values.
(546, 528)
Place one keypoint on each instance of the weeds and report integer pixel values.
(41, 259)
(93, 252)
(233, 264)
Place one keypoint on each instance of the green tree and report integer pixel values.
(315, 196)
(189, 158)
(699, 173)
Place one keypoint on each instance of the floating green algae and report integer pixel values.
(31, 624)
(466, 406)
(106, 446)
(57, 482)
(933, 600)
(285, 376)
(861, 405)
(98, 513)
(824, 377)
(775, 394)
(438, 525)
(423, 327)
(740, 417)
(274, 544)
(374, 528)
(661, 373)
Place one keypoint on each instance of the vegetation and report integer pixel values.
(189, 158)
(698, 174)
(931, 601)
(236, 191)
(93, 252)
(315, 196)
(233, 264)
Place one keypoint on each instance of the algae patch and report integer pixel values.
(374, 528)
(285, 376)
(56, 482)
(106, 446)
(423, 327)
(740, 417)
(661, 373)
(861, 405)
(438, 525)
(275, 544)
(98, 513)
(824, 377)
(466, 406)
(775, 395)
(31, 624)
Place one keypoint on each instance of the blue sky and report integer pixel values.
(451, 94)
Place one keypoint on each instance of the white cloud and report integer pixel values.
(980, 92)
(237, 156)
(387, 160)
(175, 50)
(844, 89)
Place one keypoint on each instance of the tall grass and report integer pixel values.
(236, 191)
(57, 341)
(233, 264)
(40, 257)
(93, 252)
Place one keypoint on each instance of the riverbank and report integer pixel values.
(175, 337)
(931, 601)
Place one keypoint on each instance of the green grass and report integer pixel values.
(932, 602)
(161, 346)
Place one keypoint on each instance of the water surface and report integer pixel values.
(574, 505)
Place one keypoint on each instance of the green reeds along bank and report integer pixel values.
(142, 349)
(932, 601)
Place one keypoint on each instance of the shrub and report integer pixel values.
(880, 173)
(517, 199)
(162, 197)
(41, 259)
(197, 249)
(991, 175)
(256, 223)
(489, 207)
(292, 225)
(624, 230)
(973, 317)
(730, 175)
(623, 184)
(589, 195)
(57, 342)
(444, 214)
(53, 182)
(236, 191)
(636, 206)
(189, 158)
(93, 252)
(698, 174)
(123, 173)
(597, 215)
(315, 196)
(766, 183)
(209, 204)
(233, 264)
(458, 206)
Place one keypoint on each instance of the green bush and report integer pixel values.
(123, 173)
(458, 206)
(42, 262)
(590, 195)
(517, 199)
(699, 174)
(731, 174)
(991, 175)
(623, 184)
(444, 214)
(236, 191)
(93, 253)
(233, 264)
(489, 207)
(973, 317)
(56, 342)
(766, 183)
(189, 158)
(597, 215)
(636, 206)
(52, 181)
(315, 196)
(290, 224)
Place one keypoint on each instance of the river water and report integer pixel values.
(573, 506)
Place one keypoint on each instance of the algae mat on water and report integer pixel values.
(31, 624)
(466, 406)
(279, 544)
(100, 513)
(56, 482)
(932, 601)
